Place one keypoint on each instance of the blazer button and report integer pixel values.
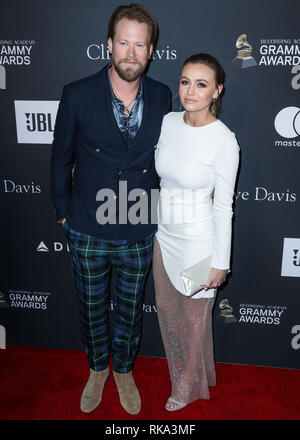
(97, 149)
(120, 172)
(145, 171)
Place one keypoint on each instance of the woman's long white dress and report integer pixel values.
(192, 162)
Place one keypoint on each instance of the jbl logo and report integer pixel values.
(39, 122)
(35, 121)
(296, 258)
(291, 258)
(2, 337)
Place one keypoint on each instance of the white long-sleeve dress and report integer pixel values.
(192, 162)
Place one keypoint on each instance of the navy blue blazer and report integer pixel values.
(89, 154)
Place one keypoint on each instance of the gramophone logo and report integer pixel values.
(244, 57)
(226, 312)
(2, 78)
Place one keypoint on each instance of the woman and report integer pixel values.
(197, 157)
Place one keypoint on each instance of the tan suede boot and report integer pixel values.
(92, 393)
(130, 398)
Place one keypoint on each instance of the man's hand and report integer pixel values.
(216, 278)
(62, 221)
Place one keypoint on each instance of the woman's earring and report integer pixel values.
(213, 106)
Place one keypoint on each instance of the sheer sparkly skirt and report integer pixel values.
(186, 329)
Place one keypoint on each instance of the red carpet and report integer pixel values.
(46, 384)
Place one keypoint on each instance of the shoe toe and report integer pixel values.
(92, 393)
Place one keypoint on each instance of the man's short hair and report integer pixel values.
(137, 13)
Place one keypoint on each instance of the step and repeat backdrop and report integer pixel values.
(46, 44)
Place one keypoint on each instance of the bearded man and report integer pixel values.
(106, 131)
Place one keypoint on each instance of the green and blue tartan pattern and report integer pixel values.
(96, 264)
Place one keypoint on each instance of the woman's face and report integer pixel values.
(197, 87)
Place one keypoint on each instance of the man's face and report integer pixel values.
(130, 49)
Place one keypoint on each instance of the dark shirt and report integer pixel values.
(128, 124)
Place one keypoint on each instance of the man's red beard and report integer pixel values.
(128, 73)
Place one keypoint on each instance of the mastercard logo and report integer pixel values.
(287, 122)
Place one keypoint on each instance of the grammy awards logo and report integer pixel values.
(2, 78)
(244, 57)
(226, 312)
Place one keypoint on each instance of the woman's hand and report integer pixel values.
(215, 278)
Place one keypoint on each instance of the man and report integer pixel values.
(106, 130)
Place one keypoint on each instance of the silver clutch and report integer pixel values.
(195, 277)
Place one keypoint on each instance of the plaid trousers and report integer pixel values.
(95, 264)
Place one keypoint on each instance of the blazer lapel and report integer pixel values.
(103, 112)
(146, 112)
(104, 116)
